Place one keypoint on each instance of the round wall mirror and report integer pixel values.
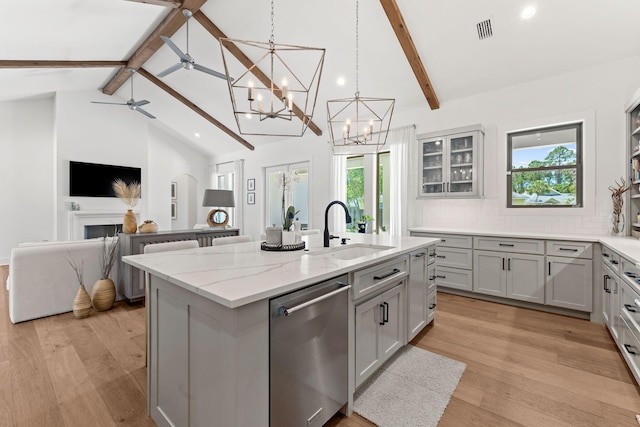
(218, 218)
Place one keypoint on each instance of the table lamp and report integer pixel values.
(218, 199)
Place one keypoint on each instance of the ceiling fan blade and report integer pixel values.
(175, 48)
(212, 72)
(140, 110)
(139, 103)
(109, 103)
(170, 70)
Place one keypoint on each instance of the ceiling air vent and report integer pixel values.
(484, 29)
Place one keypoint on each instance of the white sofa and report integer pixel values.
(42, 283)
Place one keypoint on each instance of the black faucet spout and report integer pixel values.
(327, 236)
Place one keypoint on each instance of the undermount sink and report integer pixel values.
(352, 251)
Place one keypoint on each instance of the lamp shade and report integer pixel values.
(218, 198)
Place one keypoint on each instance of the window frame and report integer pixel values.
(578, 166)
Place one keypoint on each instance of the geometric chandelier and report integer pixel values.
(358, 125)
(268, 97)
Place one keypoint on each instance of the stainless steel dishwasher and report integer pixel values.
(308, 352)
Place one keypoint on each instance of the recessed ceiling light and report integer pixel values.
(528, 12)
(341, 81)
(196, 134)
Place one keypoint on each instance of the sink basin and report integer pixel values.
(347, 252)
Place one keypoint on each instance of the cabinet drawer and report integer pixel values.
(570, 249)
(431, 278)
(628, 271)
(630, 348)
(630, 307)
(432, 300)
(372, 279)
(448, 240)
(611, 258)
(523, 246)
(456, 258)
(454, 278)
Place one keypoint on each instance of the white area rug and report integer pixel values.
(412, 388)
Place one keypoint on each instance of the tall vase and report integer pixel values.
(103, 294)
(129, 224)
(81, 303)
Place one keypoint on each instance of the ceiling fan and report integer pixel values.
(186, 61)
(131, 103)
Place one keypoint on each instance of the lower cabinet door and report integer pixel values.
(432, 300)
(394, 326)
(368, 318)
(489, 273)
(569, 283)
(525, 277)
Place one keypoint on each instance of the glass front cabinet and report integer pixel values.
(451, 163)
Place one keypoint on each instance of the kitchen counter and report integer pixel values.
(625, 245)
(236, 275)
(209, 321)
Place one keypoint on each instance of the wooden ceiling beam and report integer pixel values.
(168, 27)
(248, 63)
(59, 64)
(404, 37)
(166, 3)
(162, 85)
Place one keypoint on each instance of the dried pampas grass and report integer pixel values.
(129, 194)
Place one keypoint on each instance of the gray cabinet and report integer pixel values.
(379, 327)
(131, 280)
(451, 163)
(514, 276)
(420, 288)
(569, 283)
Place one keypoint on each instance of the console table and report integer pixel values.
(131, 280)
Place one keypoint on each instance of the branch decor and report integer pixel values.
(616, 196)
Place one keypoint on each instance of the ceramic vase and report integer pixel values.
(288, 238)
(129, 224)
(148, 227)
(81, 303)
(103, 294)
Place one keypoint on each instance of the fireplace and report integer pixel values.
(104, 220)
(101, 230)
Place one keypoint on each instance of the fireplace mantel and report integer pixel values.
(78, 219)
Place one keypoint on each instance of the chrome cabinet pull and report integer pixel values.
(384, 276)
(290, 311)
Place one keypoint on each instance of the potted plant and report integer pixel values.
(103, 293)
(362, 223)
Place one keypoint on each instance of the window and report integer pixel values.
(544, 167)
(295, 193)
(368, 190)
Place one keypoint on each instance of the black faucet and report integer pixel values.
(327, 236)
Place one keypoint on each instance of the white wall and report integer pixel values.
(308, 148)
(26, 173)
(39, 137)
(598, 93)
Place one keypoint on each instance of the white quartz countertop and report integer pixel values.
(513, 234)
(236, 275)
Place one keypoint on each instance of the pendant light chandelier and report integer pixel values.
(268, 97)
(359, 125)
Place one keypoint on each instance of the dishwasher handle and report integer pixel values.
(289, 311)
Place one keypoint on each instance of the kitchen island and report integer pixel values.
(208, 319)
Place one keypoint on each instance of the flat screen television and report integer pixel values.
(95, 180)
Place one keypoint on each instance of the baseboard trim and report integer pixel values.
(522, 304)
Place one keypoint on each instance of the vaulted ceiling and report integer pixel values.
(423, 53)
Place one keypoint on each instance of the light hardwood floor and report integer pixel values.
(523, 368)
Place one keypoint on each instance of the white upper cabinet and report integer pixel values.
(451, 163)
